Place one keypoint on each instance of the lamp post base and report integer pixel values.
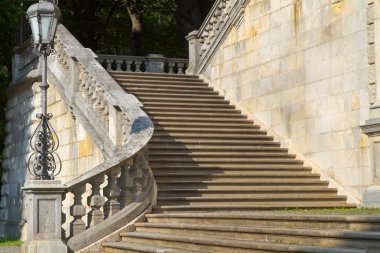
(44, 207)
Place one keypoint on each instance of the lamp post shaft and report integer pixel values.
(44, 87)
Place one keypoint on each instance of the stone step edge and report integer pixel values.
(125, 73)
(321, 190)
(281, 247)
(273, 216)
(146, 248)
(258, 206)
(331, 233)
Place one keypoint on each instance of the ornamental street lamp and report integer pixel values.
(43, 18)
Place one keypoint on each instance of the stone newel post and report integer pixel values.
(156, 63)
(44, 217)
(194, 51)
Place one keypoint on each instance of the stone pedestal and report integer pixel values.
(156, 63)
(194, 51)
(44, 217)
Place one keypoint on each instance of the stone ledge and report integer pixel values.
(371, 127)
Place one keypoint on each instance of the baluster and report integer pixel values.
(106, 113)
(126, 185)
(118, 65)
(63, 219)
(129, 65)
(78, 211)
(171, 67)
(138, 66)
(96, 202)
(112, 192)
(180, 68)
(109, 64)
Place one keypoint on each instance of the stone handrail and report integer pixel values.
(116, 123)
(154, 63)
(204, 42)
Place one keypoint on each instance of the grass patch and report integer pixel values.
(7, 241)
(347, 211)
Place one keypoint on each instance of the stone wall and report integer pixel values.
(77, 151)
(301, 68)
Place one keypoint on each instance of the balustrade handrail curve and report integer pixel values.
(118, 125)
(220, 19)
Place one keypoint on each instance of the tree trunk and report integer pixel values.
(135, 16)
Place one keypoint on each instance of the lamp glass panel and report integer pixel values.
(45, 28)
(35, 29)
(54, 24)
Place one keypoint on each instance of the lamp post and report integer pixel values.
(43, 18)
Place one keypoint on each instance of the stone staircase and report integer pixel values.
(220, 179)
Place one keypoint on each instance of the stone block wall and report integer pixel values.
(76, 150)
(301, 68)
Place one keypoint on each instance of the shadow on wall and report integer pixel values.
(21, 122)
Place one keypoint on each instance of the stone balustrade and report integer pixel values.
(109, 196)
(152, 63)
(203, 42)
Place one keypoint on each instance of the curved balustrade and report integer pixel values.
(122, 187)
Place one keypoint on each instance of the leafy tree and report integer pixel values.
(10, 13)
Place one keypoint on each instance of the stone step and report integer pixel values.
(286, 219)
(154, 91)
(218, 160)
(245, 199)
(184, 104)
(242, 181)
(196, 115)
(170, 86)
(358, 239)
(236, 174)
(178, 82)
(159, 119)
(252, 207)
(215, 244)
(208, 148)
(205, 130)
(193, 101)
(183, 141)
(227, 153)
(166, 109)
(236, 193)
(216, 189)
(193, 94)
(148, 75)
(179, 136)
(245, 167)
(118, 247)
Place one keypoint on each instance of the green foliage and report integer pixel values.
(105, 26)
(10, 13)
(7, 241)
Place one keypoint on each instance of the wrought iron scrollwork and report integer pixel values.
(44, 163)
